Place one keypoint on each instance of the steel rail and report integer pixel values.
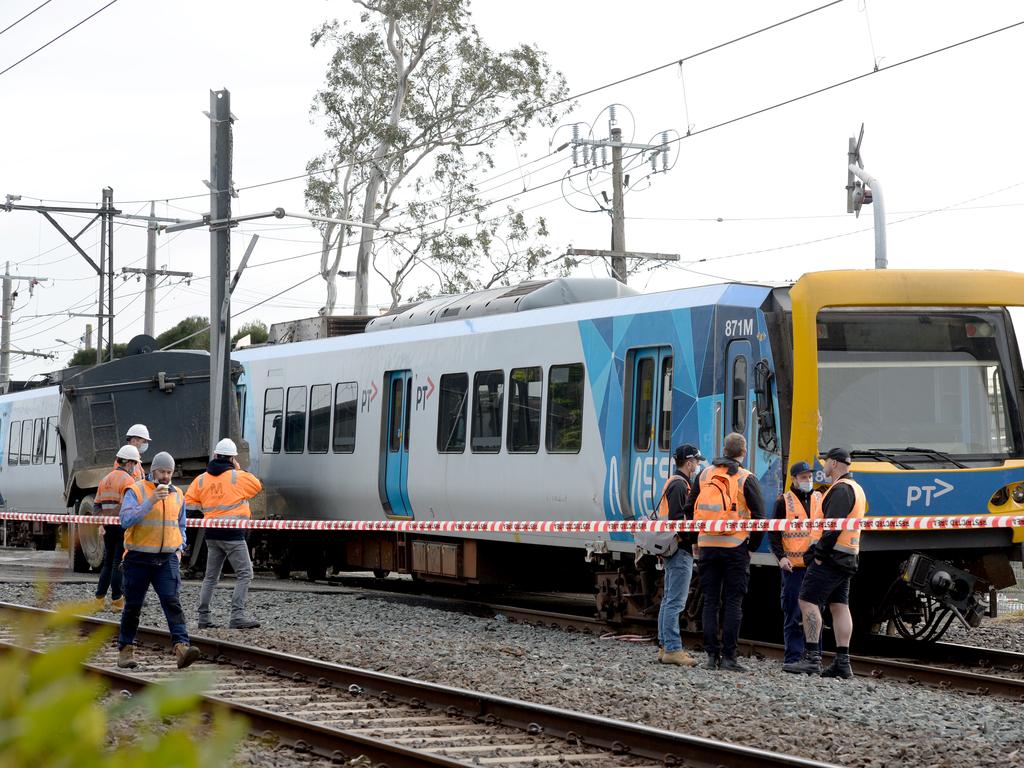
(615, 736)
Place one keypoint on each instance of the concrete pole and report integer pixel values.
(150, 272)
(108, 195)
(103, 276)
(88, 335)
(618, 209)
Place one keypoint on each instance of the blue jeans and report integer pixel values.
(724, 575)
(110, 573)
(236, 553)
(678, 570)
(792, 621)
(161, 571)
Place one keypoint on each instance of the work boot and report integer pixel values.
(712, 662)
(840, 667)
(208, 625)
(99, 604)
(117, 605)
(661, 652)
(809, 664)
(186, 654)
(680, 658)
(126, 657)
(732, 665)
(244, 624)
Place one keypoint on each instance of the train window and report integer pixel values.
(14, 444)
(26, 441)
(345, 399)
(643, 405)
(525, 389)
(565, 408)
(739, 394)
(295, 420)
(319, 418)
(40, 442)
(665, 417)
(408, 411)
(451, 413)
(273, 411)
(488, 396)
(395, 428)
(51, 440)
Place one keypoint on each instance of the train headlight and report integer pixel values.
(1018, 494)
(1000, 497)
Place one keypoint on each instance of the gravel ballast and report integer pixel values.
(861, 722)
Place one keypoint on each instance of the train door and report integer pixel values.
(650, 442)
(737, 402)
(395, 472)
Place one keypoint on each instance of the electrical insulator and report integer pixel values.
(586, 155)
(575, 143)
(604, 154)
(664, 150)
(654, 162)
(611, 116)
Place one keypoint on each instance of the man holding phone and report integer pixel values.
(153, 518)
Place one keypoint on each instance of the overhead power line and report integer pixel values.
(54, 40)
(37, 8)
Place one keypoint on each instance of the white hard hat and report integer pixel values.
(138, 430)
(129, 453)
(226, 447)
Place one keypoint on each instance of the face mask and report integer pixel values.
(143, 447)
(806, 486)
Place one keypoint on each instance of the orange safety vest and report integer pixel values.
(137, 474)
(796, 543)
(663, 504)
(223, 495)
(158, 531)
(849, 541)
(710, 505)
(110, 491)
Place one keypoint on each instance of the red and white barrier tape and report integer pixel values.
(567, 526)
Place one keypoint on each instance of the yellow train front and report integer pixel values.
(920, 374)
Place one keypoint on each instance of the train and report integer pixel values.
(563, 400)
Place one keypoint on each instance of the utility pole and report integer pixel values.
(620, 181)
(5, 328)
(221, 189)
(88, 335)
(151, 271)
(104, 270)
(866, 190)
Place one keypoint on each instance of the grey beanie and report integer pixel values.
(162, 460)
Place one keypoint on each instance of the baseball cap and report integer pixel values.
(687, 451)
(799, 468)
(841, 455)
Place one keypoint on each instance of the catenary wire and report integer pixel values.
(16, 23)
(54, 40)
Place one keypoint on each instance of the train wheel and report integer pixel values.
(87, 540)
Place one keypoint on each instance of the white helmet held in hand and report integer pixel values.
(129, 453)
(138, 430)
(226, 447)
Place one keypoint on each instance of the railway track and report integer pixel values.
(342, 712)
(874, 666)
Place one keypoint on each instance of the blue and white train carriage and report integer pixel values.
(529, 404)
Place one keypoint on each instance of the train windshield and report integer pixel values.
(930, 380)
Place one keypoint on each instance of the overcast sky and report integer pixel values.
(119, 102)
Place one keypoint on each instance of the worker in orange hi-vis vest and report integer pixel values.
(223, 491)
(833, 561)
(108, 498)
(800, 502)
(138, 437)
(725, 491)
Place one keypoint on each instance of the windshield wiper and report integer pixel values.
(874, 453)
(890, 455)
(939, 454)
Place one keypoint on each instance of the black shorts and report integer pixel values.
(825, 584)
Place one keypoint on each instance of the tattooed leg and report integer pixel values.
(812, 621)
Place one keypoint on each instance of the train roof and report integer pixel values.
(730, 294)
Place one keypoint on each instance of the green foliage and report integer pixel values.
(256, 328)
(414, 105)
(53, 714)
(88, 356)
(184, 330)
